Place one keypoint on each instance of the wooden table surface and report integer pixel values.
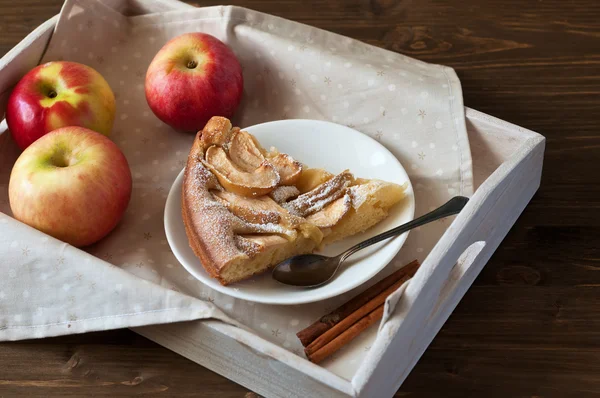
(530, 324)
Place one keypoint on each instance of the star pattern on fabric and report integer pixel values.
(147, 235)
(327, 80)
(380, 73)
(275, 332)
(293, 82)
(421, 155)
(78, 276)
(422, 114)
(25, 251)
(145, 140)
(378, 135)
(140, 264)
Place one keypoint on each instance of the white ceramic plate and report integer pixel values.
(317, 144)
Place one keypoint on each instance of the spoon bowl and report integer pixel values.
(303, 270)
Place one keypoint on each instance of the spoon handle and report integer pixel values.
(453, 206)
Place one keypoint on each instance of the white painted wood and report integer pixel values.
(422, 311)
(259, 365)
(507, 162)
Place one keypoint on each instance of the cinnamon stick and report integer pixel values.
(347, 336)
(326, 322)
(351, 319)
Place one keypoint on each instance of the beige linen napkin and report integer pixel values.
(291, 70)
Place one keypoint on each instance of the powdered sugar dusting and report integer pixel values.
(315, 200)
(247, 246)
(210, 220)
(284, 193)
(217, 227)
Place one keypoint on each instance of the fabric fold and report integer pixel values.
(50, 288)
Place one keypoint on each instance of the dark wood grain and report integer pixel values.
(530, 325)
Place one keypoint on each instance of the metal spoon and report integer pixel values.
(311, 270)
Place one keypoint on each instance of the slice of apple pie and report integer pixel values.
(245, 209)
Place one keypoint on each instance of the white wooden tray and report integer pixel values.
(507, 164)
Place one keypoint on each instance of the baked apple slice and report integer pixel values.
(331, 214)
(260, 243)
(288, 169)
(259, 182)
(261, 210)
(312, 178)
(248, 156)
(244, 152)
(217, 131)
(316, 199)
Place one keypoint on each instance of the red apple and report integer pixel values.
(59, 94)
(193, 78)
(73, 184)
